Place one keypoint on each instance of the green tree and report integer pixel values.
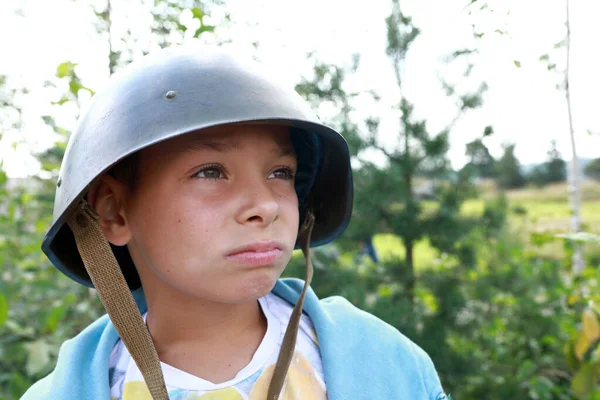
(388, 197)
(509, 171)
(552, 171)
(420, 156)
(556, 165)
(481, 163)
(592, 169)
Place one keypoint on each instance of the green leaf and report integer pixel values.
(541, 388)
(542, 238)
(584, 381)
(62, 101)
(65, 69)
(55, 317)
(71, 298)
(591, 327)
(180, 26)
(18, 385)
(198, 13)
(581, 346)
(525, 370)
(38, 357)
(75, 86)
(581, 237)
(3, 309)
(41, 226)
(202, 29)
(517, 63)
(384, 291)
(48, 120)
(571, 358)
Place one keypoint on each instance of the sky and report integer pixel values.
(522, 104)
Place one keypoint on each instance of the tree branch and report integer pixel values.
(574, 189)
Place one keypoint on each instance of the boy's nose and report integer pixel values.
(260, 207)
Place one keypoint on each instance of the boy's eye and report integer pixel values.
(282, 173)
(211, 172)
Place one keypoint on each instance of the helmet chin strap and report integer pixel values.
(118, 301)
(106, 275)
(289, 339)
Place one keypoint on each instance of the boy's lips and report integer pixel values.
(257, 253)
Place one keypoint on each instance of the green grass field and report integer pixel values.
(531, 210)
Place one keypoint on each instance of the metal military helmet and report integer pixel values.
(185, 89)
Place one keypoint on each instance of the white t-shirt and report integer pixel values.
(304, 379)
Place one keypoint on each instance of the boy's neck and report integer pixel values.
(213, 341)
(199, 320)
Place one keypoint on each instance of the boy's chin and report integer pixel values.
(252, 288)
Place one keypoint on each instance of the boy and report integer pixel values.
(194, 176)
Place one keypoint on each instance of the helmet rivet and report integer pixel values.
(59, 182)
(171, 94)
(81, 220)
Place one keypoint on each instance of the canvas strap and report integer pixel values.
(286, 353)
(106, 275)
(116, 297)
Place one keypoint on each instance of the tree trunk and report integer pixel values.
(574, 184)
(412, 279)
(409, 242)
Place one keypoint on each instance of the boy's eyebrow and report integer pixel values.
(286, 150)
(213, 145)
(224, 147)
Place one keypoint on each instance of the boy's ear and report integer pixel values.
(107, 197)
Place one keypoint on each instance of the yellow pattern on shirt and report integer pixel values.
(221, 394)
(300, 383)
(137, 390)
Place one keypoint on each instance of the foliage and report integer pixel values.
(481, 163)
(554, 170)
(388, 198)
(593, 169)
(500, 329)
(39, 309)
(509, 171)
(583, 350)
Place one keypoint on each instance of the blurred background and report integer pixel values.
(474, 229)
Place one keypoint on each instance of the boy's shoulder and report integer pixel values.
(354, 341)
(337, 312)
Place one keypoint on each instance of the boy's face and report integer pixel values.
(214, 214)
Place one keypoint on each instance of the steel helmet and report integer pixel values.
(180, 90)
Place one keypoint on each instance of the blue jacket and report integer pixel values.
(363, 357)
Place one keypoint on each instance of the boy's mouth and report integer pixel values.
(257, 253)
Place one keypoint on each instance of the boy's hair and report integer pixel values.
(127, 171)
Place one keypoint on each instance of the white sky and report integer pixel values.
(522, 104)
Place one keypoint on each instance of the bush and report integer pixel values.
(496, 330)
(39, 307)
